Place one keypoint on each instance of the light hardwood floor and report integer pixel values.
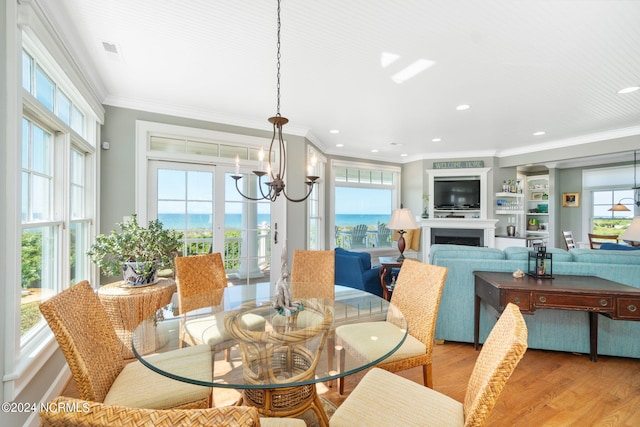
(547, 388)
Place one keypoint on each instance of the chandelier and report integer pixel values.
(619, 207)
(275, 175)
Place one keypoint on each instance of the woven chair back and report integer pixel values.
(87, 339)
(201, 280)
(417, 294)
(313, 274)
(99, 415)
(499, 356)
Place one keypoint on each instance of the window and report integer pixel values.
(40, 233)
(364, 197)
(608, 186)
(315, 202)
(57, 193)
(38, 83)
(611, 222)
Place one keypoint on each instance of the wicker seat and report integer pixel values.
(93, 351)
(414, 405)
(595, 240)
(201, 280)
(69, 412)
(417, 295)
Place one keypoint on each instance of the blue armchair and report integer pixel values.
(353, 269)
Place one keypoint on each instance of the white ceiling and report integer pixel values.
(523, 66)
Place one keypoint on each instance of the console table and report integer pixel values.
(563, 292)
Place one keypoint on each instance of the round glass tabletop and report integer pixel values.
(245, 343)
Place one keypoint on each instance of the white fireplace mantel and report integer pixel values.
(488, 225)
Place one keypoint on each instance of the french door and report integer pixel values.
(202, 202)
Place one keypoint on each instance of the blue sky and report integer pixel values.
(373, 201)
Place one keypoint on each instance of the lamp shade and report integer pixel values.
(633, 232)
(402, 219)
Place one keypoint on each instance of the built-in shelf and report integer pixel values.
(516, 195)
(509, 212)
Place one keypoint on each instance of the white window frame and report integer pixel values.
(603, 179)
(23, 362)
(318, 197)
(396, 196)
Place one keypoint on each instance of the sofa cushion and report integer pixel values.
(608, 246)
(443, 251)
(520, 253)
(605, 257)
(364, 256)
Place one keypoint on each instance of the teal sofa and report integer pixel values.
(560, 330)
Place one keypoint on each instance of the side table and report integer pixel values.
(128, 306)
(386, 264)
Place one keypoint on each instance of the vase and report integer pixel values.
(139, 273)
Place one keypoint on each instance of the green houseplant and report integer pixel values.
(135, 252)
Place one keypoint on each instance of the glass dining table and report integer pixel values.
(276, 359)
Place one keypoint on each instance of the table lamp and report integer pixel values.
(632, 234)
(401, 221)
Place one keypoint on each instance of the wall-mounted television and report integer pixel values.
(459, 194)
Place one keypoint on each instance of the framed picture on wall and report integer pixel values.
(570, 200)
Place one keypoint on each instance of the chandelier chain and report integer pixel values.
(278, 65)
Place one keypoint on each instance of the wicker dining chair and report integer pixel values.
(417, 295)
(93, 351)
(70, 412)
(313, 274)
(201, 280)
(415, 405)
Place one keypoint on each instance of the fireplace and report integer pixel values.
(457, 236)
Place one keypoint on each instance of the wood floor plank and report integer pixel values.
(547, 388)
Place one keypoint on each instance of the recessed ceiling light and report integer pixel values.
(463, 107)
(403, 155)
(339, 145)
(629, 89)
(412, 70)
(334, 131)
(387, 58)
(436, 140)
(540, 132)
(375, 150)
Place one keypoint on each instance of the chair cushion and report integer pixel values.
(211, 330)
(608, 246)
(282, 422)
(359, 338)
(138, 386)
(386, 399)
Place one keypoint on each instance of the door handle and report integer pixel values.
(275, 234)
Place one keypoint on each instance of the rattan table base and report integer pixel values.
(286, 401)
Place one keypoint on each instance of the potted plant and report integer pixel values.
(135, 252)
(425, 212)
